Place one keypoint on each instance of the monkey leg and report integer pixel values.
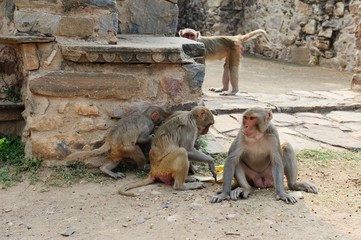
(225, 79)
(290, 169)
(232, 67)
(137, 155)
(109, 166)
(178, 165)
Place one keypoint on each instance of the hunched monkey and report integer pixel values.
(256, 159)
(229, 47)
(123, 140)
(172, 149)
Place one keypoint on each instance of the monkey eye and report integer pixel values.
(252, 118)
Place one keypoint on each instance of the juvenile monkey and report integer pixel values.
(123, 140)
(172, 149)
(229, 47)
(256, 159)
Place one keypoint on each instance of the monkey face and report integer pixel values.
(249, 126)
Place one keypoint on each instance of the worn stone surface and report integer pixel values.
(85, 84)
(330, 135)
(344, 116)
(225, 123)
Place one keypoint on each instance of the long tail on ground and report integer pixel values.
(251, 35)
(82, 155)
(123, 190)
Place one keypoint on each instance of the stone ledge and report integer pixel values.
(24, 39)
(81, 84)
(133, 49)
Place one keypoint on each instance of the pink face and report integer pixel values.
(188, 33)
(249, 125)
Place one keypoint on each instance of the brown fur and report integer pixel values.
(173, 148)
(123, 140)
(228, 47)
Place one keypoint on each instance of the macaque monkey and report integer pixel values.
(256, 159)
(172, 149)
(229, 47)
(124, 139)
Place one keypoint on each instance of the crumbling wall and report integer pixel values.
(317, 32)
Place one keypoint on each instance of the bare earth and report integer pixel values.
(96, 211)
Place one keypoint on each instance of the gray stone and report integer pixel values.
(298, 142)
(327, 33)
(345, 116)
(282, 119)
(213, 146)
(108, 22)
(224, 123)
(37, 22)
(329, 135)
(310, 27)
(153, 17)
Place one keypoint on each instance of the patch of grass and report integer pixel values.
(73, 172)
(14, 167)
(322, 158)
(13, 164)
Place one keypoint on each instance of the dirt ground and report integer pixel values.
(96, 211)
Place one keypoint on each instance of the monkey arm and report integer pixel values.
(197, 156)
(278, 173)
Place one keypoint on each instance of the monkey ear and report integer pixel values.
(202, 114)
(269, 116)
(198, 34)
(155, 116)
(180, 33)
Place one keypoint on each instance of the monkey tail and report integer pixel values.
(82, 155)
(253, 34)
(123, 190)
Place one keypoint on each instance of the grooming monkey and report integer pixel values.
(172, 149)
(228, 47)
(256, 159)
(123, 140)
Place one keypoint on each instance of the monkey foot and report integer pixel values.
(194, 185)
(212, 89)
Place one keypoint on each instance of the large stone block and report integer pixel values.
(92, 85)
(81, 27)
(36, 22)
(300, 55)
(153, 17)
(30, 57)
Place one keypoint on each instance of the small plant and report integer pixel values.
(11, 92)
(13, 164)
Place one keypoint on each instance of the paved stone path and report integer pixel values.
(306, 119)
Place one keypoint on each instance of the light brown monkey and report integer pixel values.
(124, 139)
(229, 47)
(257, 159)
(172, 149)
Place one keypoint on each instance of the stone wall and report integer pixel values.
(318, 32)
(78, 77)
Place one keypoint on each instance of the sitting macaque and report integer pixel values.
(229, 47)
(256, 159)
(172, 149)
(124, 139)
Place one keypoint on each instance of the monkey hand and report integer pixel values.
(287, 198)
(213, 170)
(220, 197)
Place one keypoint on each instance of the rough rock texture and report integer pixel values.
(318, 32)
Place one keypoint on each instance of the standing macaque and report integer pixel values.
(256, 159)
(173, 147)
(124, 139)
(229, 47)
